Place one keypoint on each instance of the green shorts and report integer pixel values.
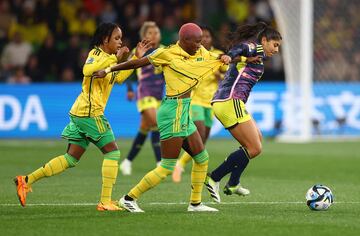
(82, 130)
(201, 113)
(173, 118)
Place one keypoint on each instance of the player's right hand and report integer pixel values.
(99, 74)
(130, 95)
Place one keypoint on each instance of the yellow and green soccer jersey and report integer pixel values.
(183, 71)
(95, 92)
(204, 92)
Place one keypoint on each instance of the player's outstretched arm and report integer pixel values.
(132, 64)
(141, 49)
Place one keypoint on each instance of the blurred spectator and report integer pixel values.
(15, 53)
(94, 7)
(67, 75)
(70, 56)
(169, 32)
(6, 18)
(28, 24)
(59, 31)
(157, 13)
(83, 24)
(237, 10)
(32, 69)
(108, 14)
(48, 11)
(48, 58)
(19, 77)
(68, 9)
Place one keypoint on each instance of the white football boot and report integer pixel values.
(130, 206)
(213, 188)
(201, 208)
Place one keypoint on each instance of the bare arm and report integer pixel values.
(141, 48)
(132, 64)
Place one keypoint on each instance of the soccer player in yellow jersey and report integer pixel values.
(149, 93)
(201, 111)
(87, 120)
(184, 65)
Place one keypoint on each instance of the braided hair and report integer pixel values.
(103, 31)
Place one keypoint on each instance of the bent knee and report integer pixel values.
(255, 150)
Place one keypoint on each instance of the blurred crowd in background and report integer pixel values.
(47, 40)
(337, 40)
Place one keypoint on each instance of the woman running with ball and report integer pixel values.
(261, 41)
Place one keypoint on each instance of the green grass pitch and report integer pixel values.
(278, 180)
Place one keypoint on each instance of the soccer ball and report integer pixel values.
(319, 197)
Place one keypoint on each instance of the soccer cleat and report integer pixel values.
(238, 189)
(111, 206)
(213, 188)
(201, 208)
(125, 167)
(130, 206)
(22, 189)
(176, 175)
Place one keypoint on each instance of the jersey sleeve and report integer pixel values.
(243, 49)
(159, 57)
(97, 62)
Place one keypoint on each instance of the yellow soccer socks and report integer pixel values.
(198, 175)
(153, 178)
(184, 159)
(109, 171)
(53, 167)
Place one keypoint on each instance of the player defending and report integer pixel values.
(201, 111)
(260, 41)
(87, 120)
(149, 94)
(184, 65)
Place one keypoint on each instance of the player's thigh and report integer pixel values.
(75, 150)
(193, 144)
(170, 148)
(200, 125)
(247, 134)
(207, 133)
(149, 117)
(110, 147)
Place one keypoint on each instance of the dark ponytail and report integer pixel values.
(103, 30)
(254, 32)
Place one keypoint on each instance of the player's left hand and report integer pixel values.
(142, 47)
(225, 59)
(99, 74)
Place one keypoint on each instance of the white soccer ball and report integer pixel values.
(319, 197)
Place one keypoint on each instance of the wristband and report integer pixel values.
(108, 70)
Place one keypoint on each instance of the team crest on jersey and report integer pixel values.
(199, 59)
(90, 60)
